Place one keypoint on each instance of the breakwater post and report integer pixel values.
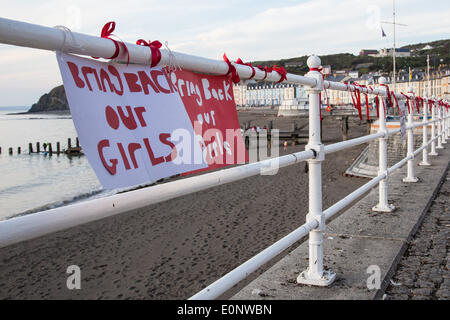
(50, 150)
(58, 148)
(30, 148)
(38, 147)
(10, 151)
(69, 143)
(19, 150)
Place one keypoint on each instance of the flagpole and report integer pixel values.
(394, 53)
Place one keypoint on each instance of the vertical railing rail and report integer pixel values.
(410, 177)
(446, 124)
(425, 161)
(383, 205)
(315, 274)
(440, 128)
(433, 129)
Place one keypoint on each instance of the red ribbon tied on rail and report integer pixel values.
(281, 71)
(107, 32)
(419, 103)
(388, 95)
(356, 98)
(377, 103)
(266, 69)
(367, 98)
(154, 49)
(231, 70)
(407, 101)
(239, 61)
(396, 101)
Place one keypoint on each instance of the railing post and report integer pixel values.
(410, 178)
(315, 274)
(383, 205)
(446, 126)
(433, 130)
(425, 161)
(441, 128)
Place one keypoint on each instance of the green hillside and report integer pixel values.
(347, 61)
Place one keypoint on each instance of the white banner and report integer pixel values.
(125, 117)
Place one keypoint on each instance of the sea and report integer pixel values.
(36, 182)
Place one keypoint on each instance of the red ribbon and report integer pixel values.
(396, 101)
(419, 103)
(231, 70)
(107, 32)
(388, 95)
(282, 72)
(154, 49)
(239, 61)
(377, 103)
(266, 69)
(356, 99)
(407, 101)
(367, 99)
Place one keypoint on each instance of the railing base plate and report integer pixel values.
(383, 208)
(326, 280)
(410, 180)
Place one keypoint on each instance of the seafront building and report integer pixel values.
(265, 94)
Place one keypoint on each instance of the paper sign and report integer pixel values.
(138, 124)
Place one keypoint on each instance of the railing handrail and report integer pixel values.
(40, 37)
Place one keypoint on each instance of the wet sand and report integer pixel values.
(173, 249)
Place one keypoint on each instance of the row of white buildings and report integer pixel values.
(260, 94)
(256, 94)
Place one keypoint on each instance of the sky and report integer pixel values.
(251, 30)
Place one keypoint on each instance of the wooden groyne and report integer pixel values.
(47, 148)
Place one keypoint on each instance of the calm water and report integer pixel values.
(28, 182)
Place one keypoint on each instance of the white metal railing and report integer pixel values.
(38, 224)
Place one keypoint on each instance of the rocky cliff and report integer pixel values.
(54, 101)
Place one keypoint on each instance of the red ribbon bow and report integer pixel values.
(154, 49)
(281, 71)
(107, 32)
(239, 61)
(231, 70)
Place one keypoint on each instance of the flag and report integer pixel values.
(382, 32)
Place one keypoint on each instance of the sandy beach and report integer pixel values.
(173, 249)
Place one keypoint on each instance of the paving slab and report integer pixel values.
(356, 240)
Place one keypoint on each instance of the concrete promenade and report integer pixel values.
(359, 238)
(423, 273)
